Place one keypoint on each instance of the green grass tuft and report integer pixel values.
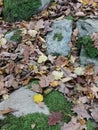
(58, 36)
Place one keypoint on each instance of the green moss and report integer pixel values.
(16, 10)
(87, 44)
(24, 123)
(90, 125)
(58, 36)
(57, 102)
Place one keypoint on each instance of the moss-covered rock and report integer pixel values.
(17, 10)
(87, 43)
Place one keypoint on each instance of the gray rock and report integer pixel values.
(9, 35)
(22, 101)
(44, 2)
(84, 59)
(56, 46)
(87, 26)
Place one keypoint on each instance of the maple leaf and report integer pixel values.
(73, 125)
(54, 118)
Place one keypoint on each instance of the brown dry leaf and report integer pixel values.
(73, 125)
(81, 111)
(39, 24)
(45, 81)
(64, 80)
(79, 14)
(61, 61)
(26, 81)
(83, 99)
(75, 32)
(54, 118)
(3, 90)
(6, 111)
(36, 88)
(62, 88)
(94, 113)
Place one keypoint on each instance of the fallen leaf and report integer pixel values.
(36, 88)
(94, 113)
(54, 118)
(79, 70)
(6, 111)
(42, 59)
(54, 83)
(79, 14)
(80, 109)
(32, 33)
(73, 125)
(38, 98)
(57, 74)
(39, 24)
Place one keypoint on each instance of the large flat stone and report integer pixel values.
(87, 26)
(22, 101)
(63, 27)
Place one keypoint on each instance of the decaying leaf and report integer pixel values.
(54, 118)
(73, 125)
(81, 111)
(6, 111)
(94, 113)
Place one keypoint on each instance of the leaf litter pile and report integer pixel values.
(26, 60)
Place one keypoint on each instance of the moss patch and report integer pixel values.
(16, 10)
(87, 44)
(57, 102)
(24, 123)
(58, 36)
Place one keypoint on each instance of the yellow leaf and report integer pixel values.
(57, 75)
(38, 98)
(54, 83)
(42, 58)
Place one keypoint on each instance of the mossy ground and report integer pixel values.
(17, 10)
(56, 102)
